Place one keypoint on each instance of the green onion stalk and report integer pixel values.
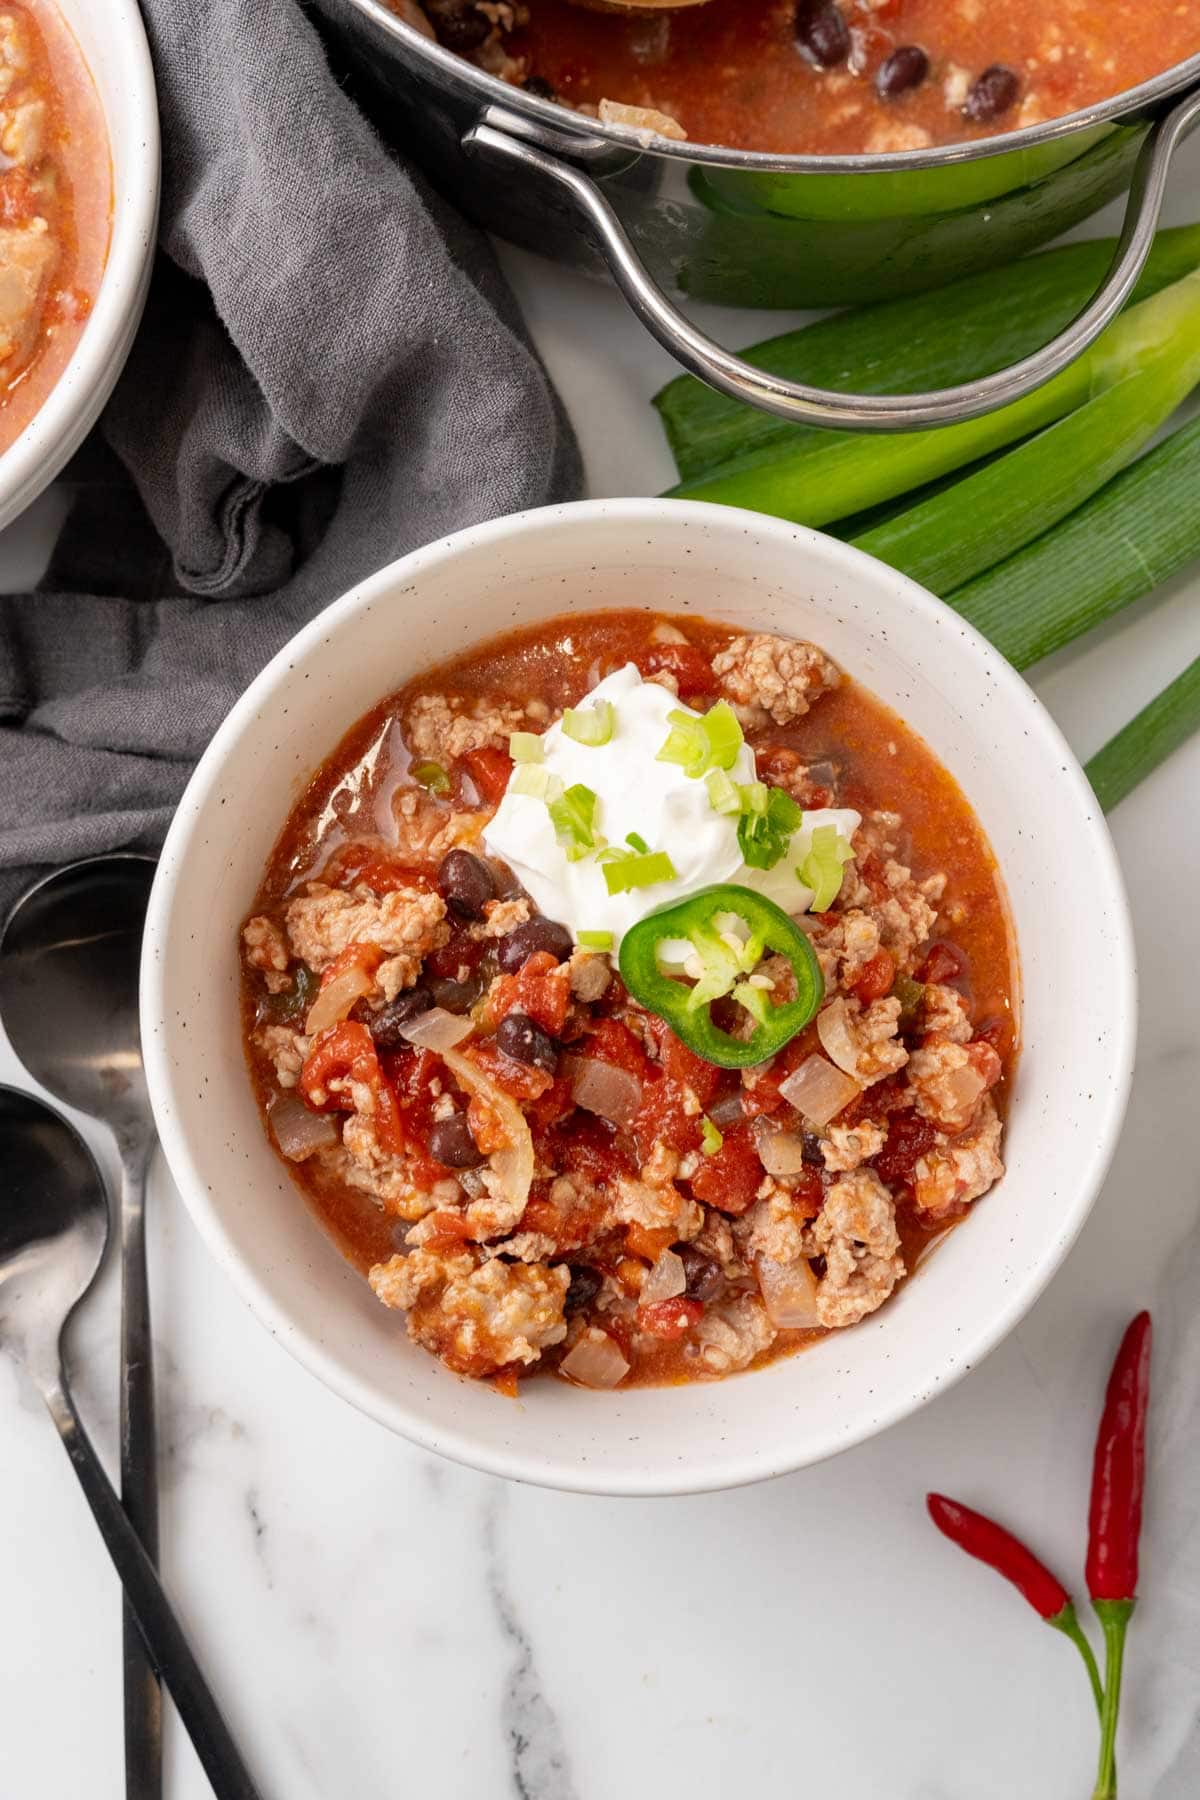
(937, 339)
(838, 473)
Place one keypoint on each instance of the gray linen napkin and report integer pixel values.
(331, 372)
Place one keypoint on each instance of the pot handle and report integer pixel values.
(505, 137)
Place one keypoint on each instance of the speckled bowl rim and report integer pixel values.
(129, 101)
(268, 693)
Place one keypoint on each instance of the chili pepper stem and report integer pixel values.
(1114, 1617)
(1067, 1621)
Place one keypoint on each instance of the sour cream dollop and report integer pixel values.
(658, 801)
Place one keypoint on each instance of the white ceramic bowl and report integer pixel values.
(112, 39)
(982, 721)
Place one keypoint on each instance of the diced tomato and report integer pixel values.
(690, 667)
(372, 865)
(876, 1102)
(18, 197)
(808, 1193)
(613, 1042)
(730, 1179)
(345, 1054)
(875, 978)
(663, 1118)
(554, 1104)
(489, 769)
(909, 1137)
(411, 1076)
(943, 963)
(355, 956)
(670, 1319)
(541, 988)
(588, 1146)
(571, 1226)
(446, 1230)
(683, 1064)
(781, 768)
(644, 1241)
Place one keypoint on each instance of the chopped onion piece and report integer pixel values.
(789, 1292)
(837, 1035)
(299, 1132)
(727, 1111)
(512, 1166)
(595, 1361)
(335, 999)
(667, 634)
(437, 1029)
(600, 1087)
(779, 1152)
(818, 1090)
(666, 1279)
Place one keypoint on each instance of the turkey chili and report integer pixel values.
(632, 999)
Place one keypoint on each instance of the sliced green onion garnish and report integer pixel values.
(526, 747)
(535, 781)
(723, 792)
(753, 797)
(638, 842)
(431, 776)
(591, 725)
(754, 999)
(594, 940)
(764, 835)
(700, 744)
(624, 873)
(573, 816)
(821, 869)
(710, 1138)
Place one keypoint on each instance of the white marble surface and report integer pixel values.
(379, 1623)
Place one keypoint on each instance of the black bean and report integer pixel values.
(538, 933)
(385, 1024)
(455, 996)
(465, 883)
(810, 1149)
(993, 94)
(905, 68)
(525, 1041)
(458, 25)
(540, 88)
(585, 1285)
(704, 1277)
(822, 32)
(450, 1142)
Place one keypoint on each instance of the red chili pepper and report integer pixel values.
(1115, 1523)
(992, 1544)
(981, 1537)
(1119, 1470)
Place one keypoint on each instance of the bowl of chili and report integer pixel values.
(93, 199)
(1068, 915)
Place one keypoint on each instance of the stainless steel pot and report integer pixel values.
(665, 219)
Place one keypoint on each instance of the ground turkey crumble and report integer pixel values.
(641, 1235)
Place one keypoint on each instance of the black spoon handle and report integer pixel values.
(165, 1643)
(139, 1476)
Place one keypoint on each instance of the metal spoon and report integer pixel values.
(53, 1232)
(68, 997)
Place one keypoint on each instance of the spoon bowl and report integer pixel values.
(53, 1230)
(53, 1227)
(68, 986)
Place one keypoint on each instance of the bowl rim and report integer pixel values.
(306, 1345)
(1127, 107)
(77, 398)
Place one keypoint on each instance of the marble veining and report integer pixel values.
(539, 1765)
